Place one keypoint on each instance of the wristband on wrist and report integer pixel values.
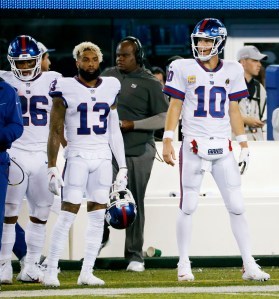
(241, 138)
(168, 134)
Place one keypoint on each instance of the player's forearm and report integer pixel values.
(53, 148)
(116, 140)
(237, 125)
(173, 114)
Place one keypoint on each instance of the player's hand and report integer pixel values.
(254, 122)
(55, 180)
(168, 152)
(126, 125)
(244, 160)
(121, 180)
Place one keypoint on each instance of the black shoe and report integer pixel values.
(105, 237)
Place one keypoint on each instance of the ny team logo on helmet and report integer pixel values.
(122, 211)
(210, 29)
(24, 48)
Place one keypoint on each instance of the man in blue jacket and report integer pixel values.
(11, 128)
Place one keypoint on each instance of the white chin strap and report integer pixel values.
(204, 58)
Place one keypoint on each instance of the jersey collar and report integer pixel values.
(218, 67)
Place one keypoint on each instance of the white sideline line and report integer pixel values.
(106, 291)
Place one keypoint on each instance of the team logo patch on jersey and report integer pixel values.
(93, 99)
(191, 79)
(227, 82)
(215, 151)
(134, 85)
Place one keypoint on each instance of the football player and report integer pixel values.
(86, 106)
(29, 152)
(206, 91)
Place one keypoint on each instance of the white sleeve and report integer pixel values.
(116, 140)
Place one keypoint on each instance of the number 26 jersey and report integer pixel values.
(36, 105)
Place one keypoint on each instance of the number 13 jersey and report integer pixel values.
(206, 95)
(87, 115)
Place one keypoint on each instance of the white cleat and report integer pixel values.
(184, 271)
(31, 273)
(21, 263)
(51, 278)
(136, 266)
(6, 273)
(87, 278)
(252, 271)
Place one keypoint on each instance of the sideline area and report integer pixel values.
(109, 292)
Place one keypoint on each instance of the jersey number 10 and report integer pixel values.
(201, 112)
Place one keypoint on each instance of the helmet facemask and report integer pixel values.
(122, 210)
(19, 73)
(211, 29)
(216, 47)
(24, 49)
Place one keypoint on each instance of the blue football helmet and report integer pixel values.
(210, 29)
(24, 48)
(122, 210)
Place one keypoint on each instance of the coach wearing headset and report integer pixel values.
(142, 109)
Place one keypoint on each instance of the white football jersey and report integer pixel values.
(86, 119)
(206, 95)
(36, 105)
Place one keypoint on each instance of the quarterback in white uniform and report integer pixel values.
(206, 91)
(86, 107)
(30, 153)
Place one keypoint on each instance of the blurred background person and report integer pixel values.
(253, 108)
(159, 73)
(46, 63)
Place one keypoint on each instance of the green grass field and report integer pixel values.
(153, 283)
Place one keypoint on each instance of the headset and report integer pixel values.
(139, 50)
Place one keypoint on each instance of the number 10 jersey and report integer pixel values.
(206, 95)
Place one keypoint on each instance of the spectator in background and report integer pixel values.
(170, 60)
(159, 74)
(253, 108)
(142, 109)
(45, 65)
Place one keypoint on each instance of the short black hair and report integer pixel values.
(158, 70)
(173, 58)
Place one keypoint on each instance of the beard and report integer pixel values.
(87, 76)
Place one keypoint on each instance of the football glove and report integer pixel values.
(244, 160)
(55, 180)
(121, 180)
